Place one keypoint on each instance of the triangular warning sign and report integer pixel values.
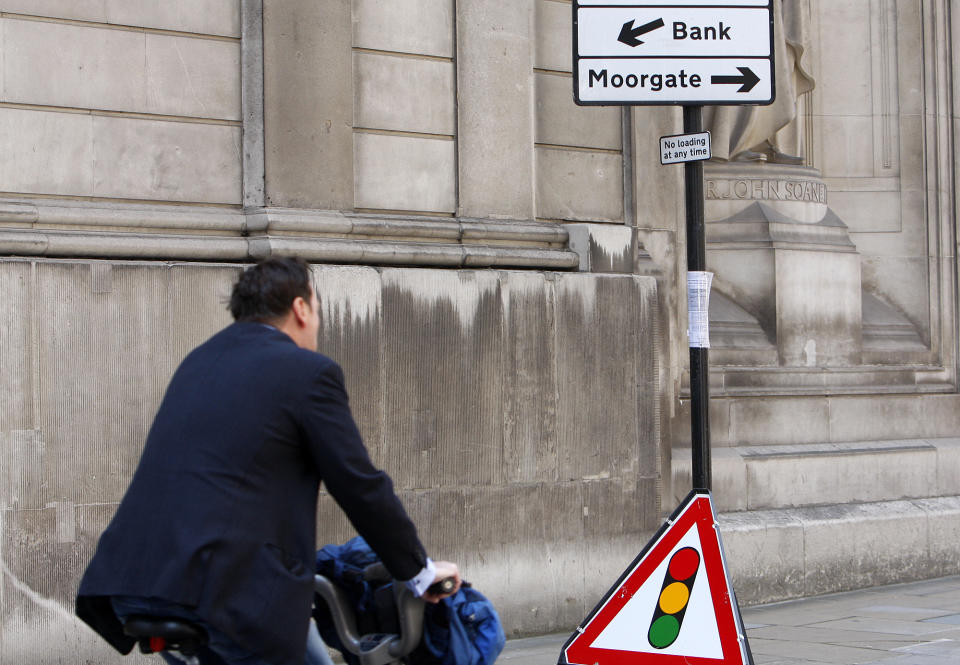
(673, 605)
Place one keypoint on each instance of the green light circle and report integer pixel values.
(664, 632)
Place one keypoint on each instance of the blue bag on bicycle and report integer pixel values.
(463, 629)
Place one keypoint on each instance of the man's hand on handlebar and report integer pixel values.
(446, 572)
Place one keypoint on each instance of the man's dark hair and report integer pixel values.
(266, 291)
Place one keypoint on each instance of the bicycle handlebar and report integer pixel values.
(442, 587)
(385, 648)
(388, 648)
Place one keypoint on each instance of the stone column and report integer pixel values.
(308, 84)
(495, 110)
(251, 53)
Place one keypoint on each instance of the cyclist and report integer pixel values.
(217, 525)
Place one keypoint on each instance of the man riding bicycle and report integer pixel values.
(217, 526)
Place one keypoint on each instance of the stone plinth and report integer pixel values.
(786, 259)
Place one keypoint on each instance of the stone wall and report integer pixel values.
(439, 134)
(119, 100)
(515, 411)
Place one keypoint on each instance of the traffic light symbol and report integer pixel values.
(674, 597)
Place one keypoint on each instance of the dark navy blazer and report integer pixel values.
(221, 513)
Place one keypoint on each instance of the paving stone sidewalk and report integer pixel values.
(903, 624)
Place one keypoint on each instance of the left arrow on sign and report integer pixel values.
(629, 34)
(747, 80)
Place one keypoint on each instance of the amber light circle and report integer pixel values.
(674, 597)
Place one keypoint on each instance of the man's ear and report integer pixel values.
(301, 310)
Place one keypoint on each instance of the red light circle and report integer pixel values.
(684, 564)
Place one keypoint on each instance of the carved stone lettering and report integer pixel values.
(764, 189)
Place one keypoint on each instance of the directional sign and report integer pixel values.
(681, 32)
(674, 605)
(679, 52)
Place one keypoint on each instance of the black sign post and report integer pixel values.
(651, 53)
(642, 53)
(699, 355)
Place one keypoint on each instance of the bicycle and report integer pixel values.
(186, 639)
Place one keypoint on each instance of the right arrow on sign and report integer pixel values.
(629, 34)
(747, 80)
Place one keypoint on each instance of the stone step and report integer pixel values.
(790, 476)
(807, 519)
(823, 416)
(788, 553)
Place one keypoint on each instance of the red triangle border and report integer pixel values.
(697, 509)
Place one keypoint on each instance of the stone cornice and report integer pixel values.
(122, 230)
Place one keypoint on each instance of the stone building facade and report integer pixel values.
(502, 277)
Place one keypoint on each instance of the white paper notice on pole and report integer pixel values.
(698, 308)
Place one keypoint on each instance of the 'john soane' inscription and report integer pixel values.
(809, 191)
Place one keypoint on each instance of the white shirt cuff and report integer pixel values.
(418, 584)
